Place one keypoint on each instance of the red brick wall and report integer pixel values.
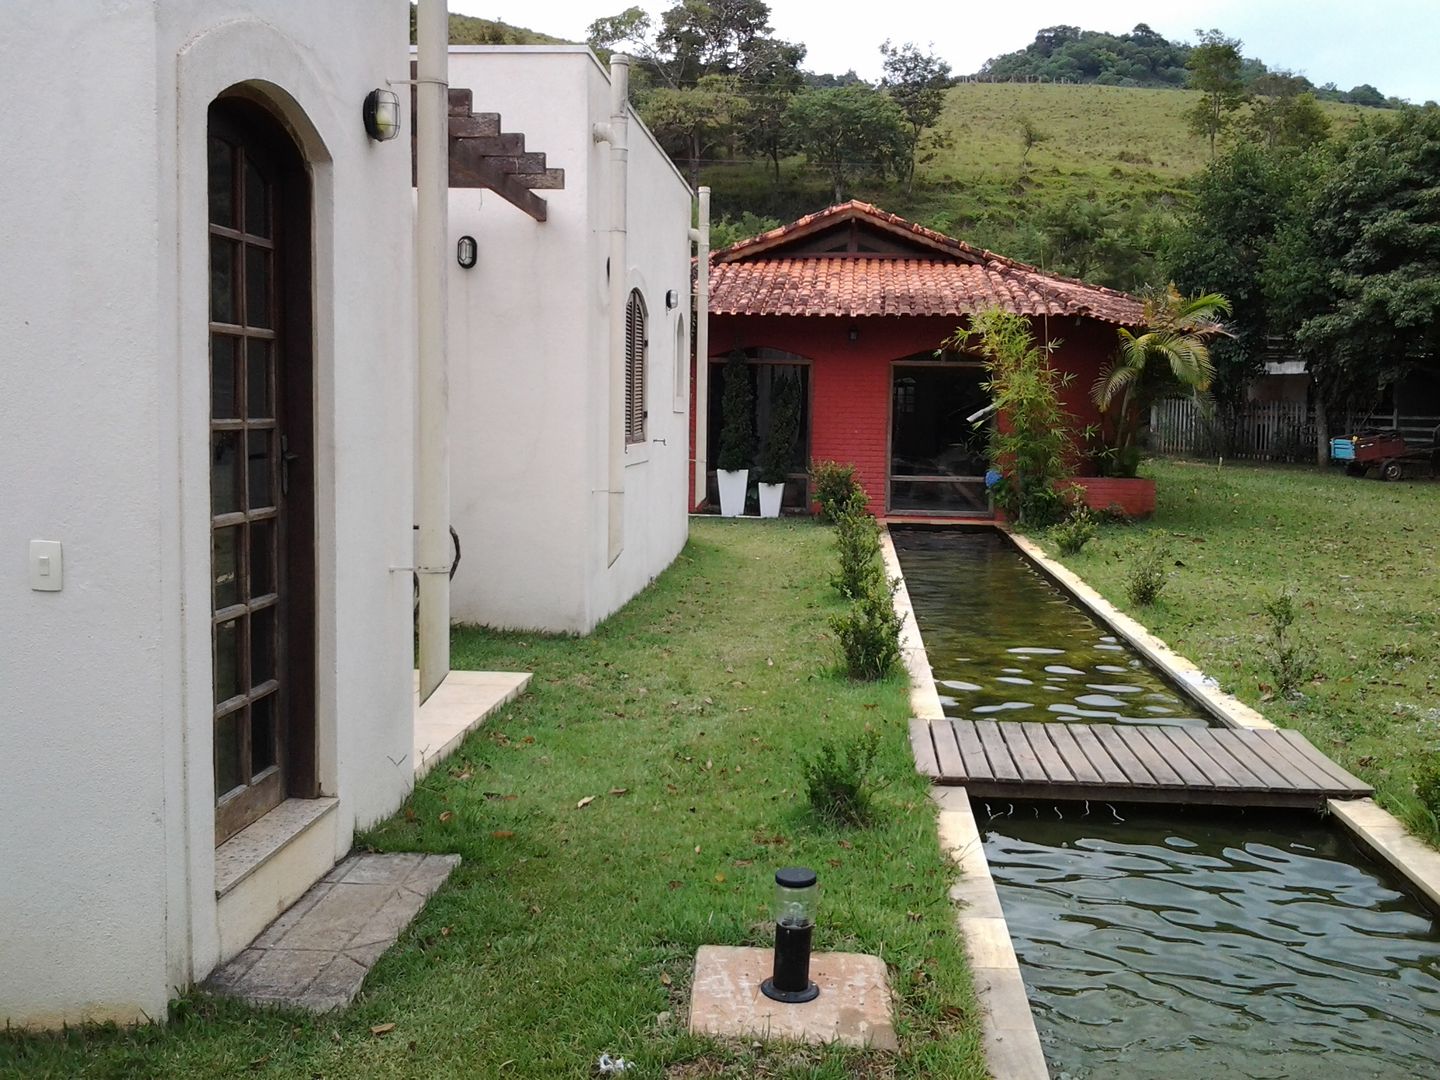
(850, 381)
(1134, 495)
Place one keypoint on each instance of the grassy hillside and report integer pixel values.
(468, 30)
(1114, 160)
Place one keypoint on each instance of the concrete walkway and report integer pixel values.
(316, 955)
(460, 704)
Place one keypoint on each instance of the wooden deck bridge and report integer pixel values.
(1130, 763)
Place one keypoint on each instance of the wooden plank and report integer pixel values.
(1050, 759)
(1091, 752)
(1216, 773)
(947, 754)
(1001, 765)
(1206, 740)
(1305, 772)
(1154, 764)
(1347, 780)
(1251, 754)
(971, 751)
(1120, 753)
(1020, 752)
(1190, 775)
(922, 745)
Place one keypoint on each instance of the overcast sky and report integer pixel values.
(1391, 44)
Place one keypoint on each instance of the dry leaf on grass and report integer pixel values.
(586, 801)
(382, 1029)
(447, 816)
(618, 790)
(665, 978)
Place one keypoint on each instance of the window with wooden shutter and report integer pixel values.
(635, 349)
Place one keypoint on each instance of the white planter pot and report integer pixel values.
(770, 496)
(732, 483)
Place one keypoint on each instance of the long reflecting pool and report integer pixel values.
(1213, 945)
(1006, 644)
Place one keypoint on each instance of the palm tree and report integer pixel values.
(1171, 354)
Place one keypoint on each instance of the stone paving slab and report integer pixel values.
(316, 955)
(853, 1008)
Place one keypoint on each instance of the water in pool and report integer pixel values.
(1205, 944)
(1007, 644)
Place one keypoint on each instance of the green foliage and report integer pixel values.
(1031, 443)
(833, 486)
(784, 428)
(840, 779)
(1426, 772)
(1217, 72)
(1030, 137)
(1290, 658)
(849, 131)
(1067, 53)
(737, 416)
(857, 543)
(1170, 355)
(1072, 534)
(1147, 575)
(916, 82)
(726, 231)
(869, 632)
(690, 122)
(467, 30)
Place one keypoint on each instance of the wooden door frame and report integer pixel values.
(894, 366)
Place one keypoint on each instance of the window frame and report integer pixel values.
(637, 348)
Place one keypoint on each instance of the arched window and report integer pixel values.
(636, 346)
(679, 389)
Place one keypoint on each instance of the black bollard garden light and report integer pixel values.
(797, 896)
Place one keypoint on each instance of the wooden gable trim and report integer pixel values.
(903, 239)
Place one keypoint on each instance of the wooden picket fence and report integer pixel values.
(1259, 431)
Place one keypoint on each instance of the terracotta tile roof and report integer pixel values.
(940, 276)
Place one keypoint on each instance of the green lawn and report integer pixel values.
(571, 930)
(1362, 557)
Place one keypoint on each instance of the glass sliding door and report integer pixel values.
(937, 454)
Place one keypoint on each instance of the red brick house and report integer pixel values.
(854, 302)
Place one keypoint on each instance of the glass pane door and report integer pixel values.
(937, 454)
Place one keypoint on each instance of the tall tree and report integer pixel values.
(848, 130)
(694, 38)
(1217, 71)
(690, 122)
(917, 82)
(1357, 274)
(1284, 112)
(769, 78)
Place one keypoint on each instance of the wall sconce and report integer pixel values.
(672, 300)
(382, 115)
(797, 896)
(466, 251)
(854, 333)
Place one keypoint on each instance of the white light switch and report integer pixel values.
(46, 566)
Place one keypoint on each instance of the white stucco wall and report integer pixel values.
(106, 786)
(529, 359)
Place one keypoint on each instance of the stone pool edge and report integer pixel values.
(1007, 1026)
(1371, 826)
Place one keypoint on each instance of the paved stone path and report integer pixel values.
(316, 955)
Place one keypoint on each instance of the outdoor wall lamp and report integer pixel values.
(672, 300)
(382, 115)
(797, 896)
(466, 251)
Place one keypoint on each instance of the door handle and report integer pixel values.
(286, 457)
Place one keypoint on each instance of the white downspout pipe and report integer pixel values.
(701, 236)
(432, 184)
(616, 133)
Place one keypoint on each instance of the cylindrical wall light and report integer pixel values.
(382, 115)
(672, 300)
(466, 251)
(797, 897)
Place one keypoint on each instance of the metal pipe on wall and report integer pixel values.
(616, 133)
(432, 479)
(702, 344)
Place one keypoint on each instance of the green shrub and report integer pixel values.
(737, 416)
(1073, 534)
(1427, 781)
(869, 632)
(1289, 656)
(840, 779)
(784, 427)
(832, 484)
(1147, 575)
(857, 542)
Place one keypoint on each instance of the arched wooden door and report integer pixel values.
(261, 466)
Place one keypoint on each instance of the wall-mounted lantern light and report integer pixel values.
(854, 333)
(797, 896)
(466, 251)
(382, 115)
(672, 300)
